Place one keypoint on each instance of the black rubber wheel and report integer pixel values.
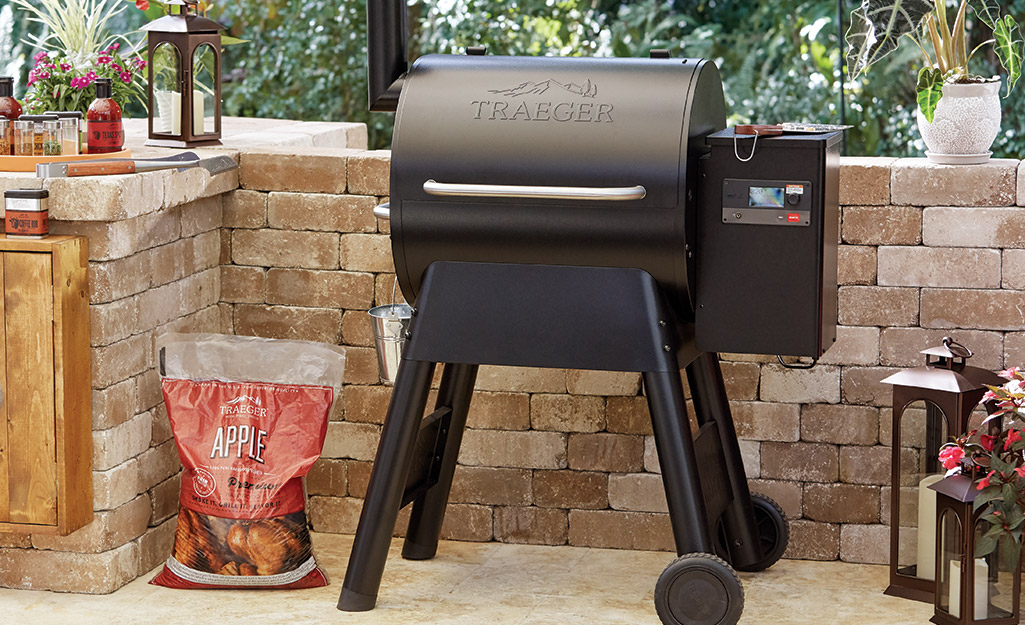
(699, 589)
(773, 530)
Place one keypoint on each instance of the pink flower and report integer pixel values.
(65, 67)
(91, 76)
(984, 482)
(43, 75)
(116, 67)
(140, 63)
(951, 456)
(39, 56)
(988, 442)
(989, 396)
(1020, 471)
(114, 46)
(1013, 436)
(103, 60)
(126, 77)
(1006, 373)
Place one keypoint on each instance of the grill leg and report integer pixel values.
(429, 510)
(675, 449)
(387, 483)
(711, 404)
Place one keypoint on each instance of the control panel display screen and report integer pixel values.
(765, 197)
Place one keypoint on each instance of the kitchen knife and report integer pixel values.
(105, 167)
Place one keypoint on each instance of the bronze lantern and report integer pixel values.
(985, 591)
(184, 54)
(930, 404)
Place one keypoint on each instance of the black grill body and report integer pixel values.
(577, 213)
(552, 122)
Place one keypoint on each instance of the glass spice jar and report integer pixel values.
(24, 137)
(6, 136)
(52, 137)
(70, 131)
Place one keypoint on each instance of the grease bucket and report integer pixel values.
(390, 323)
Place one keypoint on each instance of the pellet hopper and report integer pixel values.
(593, 214)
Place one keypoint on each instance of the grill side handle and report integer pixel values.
(444, 189)
(383, 211)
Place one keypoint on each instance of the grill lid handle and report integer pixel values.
(445, 189)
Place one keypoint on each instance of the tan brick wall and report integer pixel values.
(554, 457)
(290, 249)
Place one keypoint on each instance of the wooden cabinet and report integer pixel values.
(46, 481)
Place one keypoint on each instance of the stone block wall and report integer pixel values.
(567, 457)
(288, 247)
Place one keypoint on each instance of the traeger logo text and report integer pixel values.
(544, 111)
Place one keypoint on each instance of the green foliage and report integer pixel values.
(305, 60)
(930, 89)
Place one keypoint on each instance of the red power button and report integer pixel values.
(793, 217)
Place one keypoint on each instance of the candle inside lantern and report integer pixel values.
(927, 528)
(981, 588)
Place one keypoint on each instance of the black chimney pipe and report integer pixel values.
(386, 53)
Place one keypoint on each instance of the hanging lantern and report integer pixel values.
(184, 53)
(969, 590)
(930, 404)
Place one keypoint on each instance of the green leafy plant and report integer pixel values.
(877, 27)
(78, 28)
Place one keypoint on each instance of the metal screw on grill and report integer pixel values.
(667, 348)
(661, 323)
(409, 335)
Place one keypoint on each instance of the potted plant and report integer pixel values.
(80, 50)
(1000, 452)
(958, 111)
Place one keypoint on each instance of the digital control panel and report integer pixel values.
(767, 202)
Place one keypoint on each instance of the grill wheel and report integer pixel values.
(699, 589)
(773, 530)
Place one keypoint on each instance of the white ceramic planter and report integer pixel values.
(967, 121)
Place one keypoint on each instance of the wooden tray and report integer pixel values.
(28, 163)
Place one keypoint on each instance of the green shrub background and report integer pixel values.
(779, 58)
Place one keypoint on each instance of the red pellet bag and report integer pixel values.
(249, 418)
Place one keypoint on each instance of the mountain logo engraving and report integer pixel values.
(545, 101)
(586, 90)
(242, 398)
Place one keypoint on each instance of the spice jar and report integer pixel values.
(26, 215)
(24, 144)
(39, 132)
(52, 137)
(6, 136)
(70, 131)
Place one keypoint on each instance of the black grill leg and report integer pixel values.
(429, 510)
(675, 448)
(387, 483)
(712, 404)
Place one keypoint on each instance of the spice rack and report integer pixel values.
(28, 163)
(46, 413)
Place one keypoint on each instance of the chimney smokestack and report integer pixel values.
(386, 52)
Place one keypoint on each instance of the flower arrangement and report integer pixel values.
(61, 82)
(877, 26)
(1000, 452)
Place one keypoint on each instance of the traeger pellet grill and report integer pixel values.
(593, 214)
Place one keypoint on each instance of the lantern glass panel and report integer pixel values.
(994, 580)
(948, 587)
(922, 430)
(167, 89)
(204, 72)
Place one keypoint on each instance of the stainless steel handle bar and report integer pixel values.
(433, 187)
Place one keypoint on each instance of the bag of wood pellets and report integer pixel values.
(249, 417)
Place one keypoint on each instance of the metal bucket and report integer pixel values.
(389, 322)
